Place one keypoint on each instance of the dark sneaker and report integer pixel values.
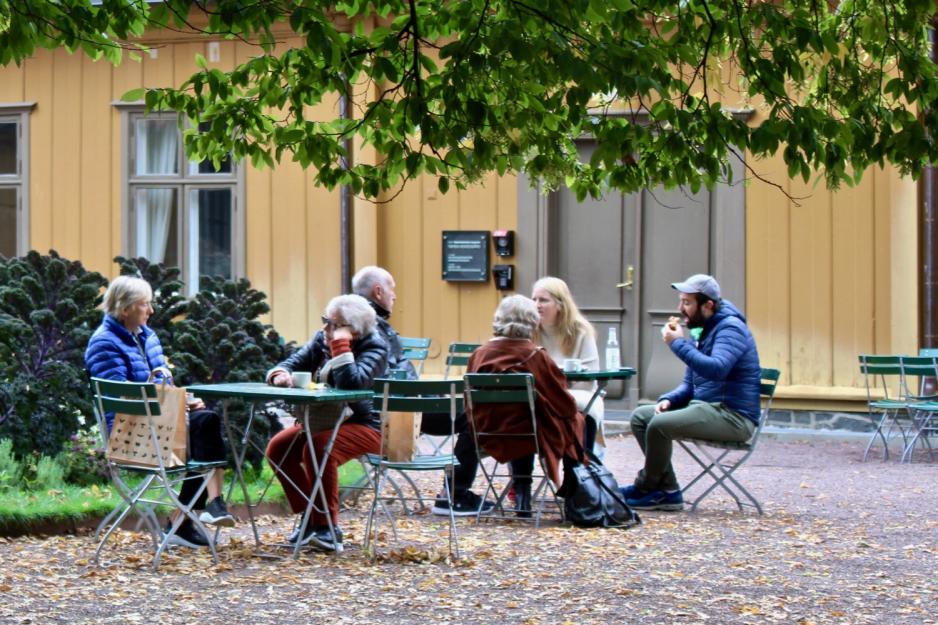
(321, 538)
(188, 535)
(216, 513)
(523, 501)
(629, 492)
(657, 500)
(464, 504)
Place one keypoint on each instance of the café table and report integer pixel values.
(602, 379)
(255, 392)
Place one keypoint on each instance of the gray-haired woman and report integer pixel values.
(559, 425)
(347, 353)
(123, 348)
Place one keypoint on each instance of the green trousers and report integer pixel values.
(655, 433)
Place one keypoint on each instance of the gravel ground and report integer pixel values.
(841, 542)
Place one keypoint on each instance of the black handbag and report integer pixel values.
(592, 498)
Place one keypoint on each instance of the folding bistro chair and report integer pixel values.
(922, 408)
(416, 350)
(508, 388)
(157, 484)
(720, 466)
(887, 394)
(398, 396)
(458, 356)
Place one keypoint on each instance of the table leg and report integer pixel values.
(239, 455)
(317, 483)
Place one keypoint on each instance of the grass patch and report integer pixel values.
(80, 503)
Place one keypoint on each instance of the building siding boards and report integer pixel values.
(825, 280)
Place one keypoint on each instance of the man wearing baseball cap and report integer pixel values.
(717, 400)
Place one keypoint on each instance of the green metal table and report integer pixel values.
(601, 378)
(254, 392)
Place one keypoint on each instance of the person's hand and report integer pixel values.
(342, 332)
(670, 333)
(281, 378)
(662, 406)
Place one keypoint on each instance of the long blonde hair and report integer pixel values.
(570, 321)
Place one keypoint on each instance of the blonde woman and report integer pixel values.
(565, 333)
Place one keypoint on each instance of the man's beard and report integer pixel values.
(697, 321)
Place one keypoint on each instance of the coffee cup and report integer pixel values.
(572, 364)
(301, 379)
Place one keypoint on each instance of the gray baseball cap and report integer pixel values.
(699, 283)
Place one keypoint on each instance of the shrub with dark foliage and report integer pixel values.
(221, 340)
(48, 310)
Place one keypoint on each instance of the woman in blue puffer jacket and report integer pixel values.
(123, 348)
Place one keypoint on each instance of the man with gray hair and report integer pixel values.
(718, 399)
(376, 284)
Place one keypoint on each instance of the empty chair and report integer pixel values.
(886, 396)
(397, 396)
(919, 373)
(457, 356)
(416, 350)
(720, 466)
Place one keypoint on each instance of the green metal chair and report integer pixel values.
(396, 396)
(721, 466)
(921, 406)
(887, 395)
(416, 350)
(458, 356)
(508, 388)
(157, 484)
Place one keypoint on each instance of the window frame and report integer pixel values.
(183, 182)
(19, 113)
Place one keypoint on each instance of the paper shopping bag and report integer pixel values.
(131, 441)
(400, 432)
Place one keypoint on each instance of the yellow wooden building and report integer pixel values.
(92, 177)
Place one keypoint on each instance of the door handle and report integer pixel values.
(629, 278)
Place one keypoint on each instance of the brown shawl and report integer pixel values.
(559, 425)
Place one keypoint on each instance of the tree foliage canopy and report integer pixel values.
(461, 88)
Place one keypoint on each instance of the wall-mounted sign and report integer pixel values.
(466, 255)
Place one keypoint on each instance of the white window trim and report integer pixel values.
(20, 111)
(184, 181)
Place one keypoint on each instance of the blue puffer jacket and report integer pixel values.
(722, 367)
(113, 354)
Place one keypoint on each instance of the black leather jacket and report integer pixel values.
(371, 357)
(396, 360)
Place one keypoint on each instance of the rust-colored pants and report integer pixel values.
(352, 441)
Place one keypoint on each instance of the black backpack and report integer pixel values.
(592, 498)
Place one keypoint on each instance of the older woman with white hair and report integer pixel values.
(124, 349)
(346, 353)
(559, 425)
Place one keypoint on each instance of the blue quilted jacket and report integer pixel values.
(723, 365)
(113, 354)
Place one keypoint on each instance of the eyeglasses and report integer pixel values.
(332, 325)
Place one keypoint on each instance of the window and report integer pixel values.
(14, 226)
(180, 212)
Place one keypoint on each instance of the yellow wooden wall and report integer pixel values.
(829, 276)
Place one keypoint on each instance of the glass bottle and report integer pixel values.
(612, 351)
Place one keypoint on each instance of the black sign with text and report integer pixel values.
(466, 255)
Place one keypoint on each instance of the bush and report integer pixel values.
(47, 314)
(10, 470)
(222, 340)
(83, 459)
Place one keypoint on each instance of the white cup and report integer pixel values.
(301, 379)
(572, 364)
